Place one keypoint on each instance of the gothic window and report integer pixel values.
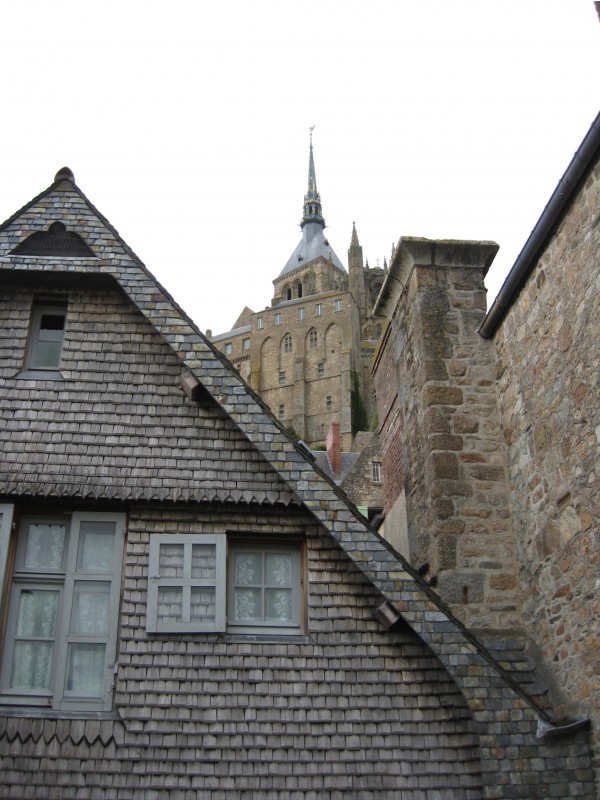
(288, 294)
(313, 338)
(287, 343)
(299, 290)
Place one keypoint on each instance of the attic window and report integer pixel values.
(46, 338)
(57, 241)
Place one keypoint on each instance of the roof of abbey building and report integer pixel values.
(313, 243)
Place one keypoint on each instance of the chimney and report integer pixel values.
(334, 453)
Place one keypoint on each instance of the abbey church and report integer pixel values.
(309, 354)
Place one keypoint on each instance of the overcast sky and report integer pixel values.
(186, 124)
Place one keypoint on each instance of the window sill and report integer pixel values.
(31, 712)
(40, 375)
(236, 638)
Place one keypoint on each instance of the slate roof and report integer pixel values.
(347, 461)
(493, 694)
(312, 245)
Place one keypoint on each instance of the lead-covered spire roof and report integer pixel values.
(313, 211)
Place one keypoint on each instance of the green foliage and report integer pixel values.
(291, 432)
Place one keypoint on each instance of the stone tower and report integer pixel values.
(308, 354)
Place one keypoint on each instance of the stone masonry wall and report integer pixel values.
(549, 366)
(453, 455)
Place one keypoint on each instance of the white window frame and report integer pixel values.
(245, 344)
(319, 310)
(281, 377)
(321, 369)
(339, 305)
(39, 310)
(260, 323)
(186, 583)
(301, 313)
(376, 471)
(64, 581)
(329, 403)
(281, 411)
(277, 319)
(223, 582)
(264, 626)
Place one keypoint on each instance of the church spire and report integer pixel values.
(312, 199)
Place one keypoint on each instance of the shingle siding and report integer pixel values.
(346, 708)
(117, 424)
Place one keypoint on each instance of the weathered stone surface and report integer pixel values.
(548, 350)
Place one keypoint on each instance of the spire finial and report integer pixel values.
(312, 200)
(354, 240)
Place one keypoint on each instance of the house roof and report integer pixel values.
(406, 593)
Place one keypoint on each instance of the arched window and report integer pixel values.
(287, 343)
(288, 294)
(313, 338)
(299, 290)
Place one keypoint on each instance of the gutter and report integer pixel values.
(545, 226)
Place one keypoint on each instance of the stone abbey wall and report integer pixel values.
(548, 361)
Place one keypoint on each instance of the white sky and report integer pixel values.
(186, 124)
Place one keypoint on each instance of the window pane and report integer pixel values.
(47, 354)
(37, 613)
(278, 605)
(248, 569)
(85, 669)
(90, 609)
(204, 561)
(170, 604)
(278, 569)
(247, 604)
(50, 324)
(170, 562)
(32, 661)
(96, 546)
(203, 606)
(32, 666)
(45, 546)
